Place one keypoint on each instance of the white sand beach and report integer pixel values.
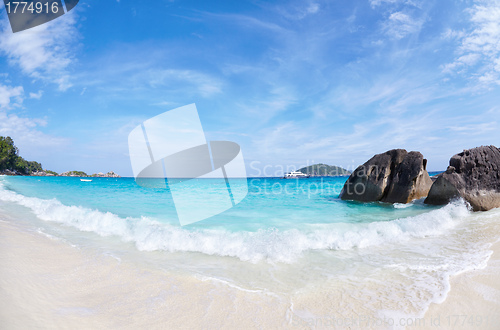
(474, 299)
(47, 283)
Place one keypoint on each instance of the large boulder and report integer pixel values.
(396, 176)
(473, 175)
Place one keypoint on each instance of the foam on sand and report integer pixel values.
(46, 283)
(270, 244)
(387, 269)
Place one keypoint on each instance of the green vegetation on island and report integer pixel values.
(324, 170)
(51, 173)
(11, 162)
(110, 174)
(74, 173)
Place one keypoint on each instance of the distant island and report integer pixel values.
(80, 174)
(324, 170)
(13, 164)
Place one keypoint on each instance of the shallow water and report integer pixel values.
(291, 238)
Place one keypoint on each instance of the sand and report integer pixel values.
(47, 283)
(474, 299)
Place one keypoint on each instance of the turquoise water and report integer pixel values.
(270, 203)
(286, 235)
(279, 220)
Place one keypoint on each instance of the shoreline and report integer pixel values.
(473, 300)
(46, 281)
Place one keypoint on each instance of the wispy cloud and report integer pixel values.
(268, 104)
(11, 97)
(150, 76)
(290, 81)
(350, 143)
(475, 129)
(25, 131)
(27, 134)
(44, 52)
(37, 95)
(479, 46)
(203, 83)
(400, 25)
(298, 10)
(246, 21)
(376, 3)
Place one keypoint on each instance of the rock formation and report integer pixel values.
(9, 172)
(74, 174)
(43, 173)
(110, 174)
(396, 176)
(473, 175)
(324, 170)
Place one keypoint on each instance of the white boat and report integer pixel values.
(86, 180)
(295, 175)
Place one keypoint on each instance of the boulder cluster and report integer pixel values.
(398, 176)
(42, 173)
(110, 174)
(473, 175)
(80, 174)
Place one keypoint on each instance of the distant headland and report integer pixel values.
(13, 164)
(80, 174)
(324, 170)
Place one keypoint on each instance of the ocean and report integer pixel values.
(287, 238)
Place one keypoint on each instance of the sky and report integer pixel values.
(292, 82)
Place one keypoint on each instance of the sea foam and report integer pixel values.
(265, 244)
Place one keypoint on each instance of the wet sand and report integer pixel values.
(474, 299)
(47, 283)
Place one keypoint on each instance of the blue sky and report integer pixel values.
(293, 82)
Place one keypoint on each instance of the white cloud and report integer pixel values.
(44, 52)
(25, 132)
(399, 25)
(165, 104)
(37, 95)
(268, 104)
(153, 79)
(461, 62)
(376, 3)
(297, 10)
(204, 84)
(313, 8)
(475, 129)
(453, 34)
(247, 21)
(478, 52)
(349, 143)
(11, 96)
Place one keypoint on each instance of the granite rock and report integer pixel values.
(396, 176)
(473, 175)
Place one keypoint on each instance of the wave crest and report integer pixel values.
(265, 244)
